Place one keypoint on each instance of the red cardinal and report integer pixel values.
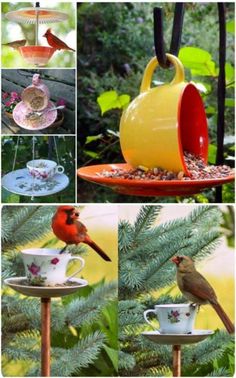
(197, 289)
(68, 228)
(55, 42)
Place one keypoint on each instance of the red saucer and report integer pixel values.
(147, 188)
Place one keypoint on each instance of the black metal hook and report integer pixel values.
(159, 34)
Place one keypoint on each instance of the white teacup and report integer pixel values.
(47, 267)
(174, 318)
(43, 169)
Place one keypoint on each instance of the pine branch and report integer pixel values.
(24, 225)
(66, 362)
(25, 345)
(145, 218)
(125, 237)
(126, 361)
(221, 372)
(87, 310)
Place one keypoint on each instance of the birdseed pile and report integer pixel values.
(197, 169)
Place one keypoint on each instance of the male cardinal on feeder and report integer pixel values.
(15, 44)
(68, 228)
(197, 289)
(55, 42)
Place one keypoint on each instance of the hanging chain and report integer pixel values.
(55, 144)
(16, 150)
(33, 155)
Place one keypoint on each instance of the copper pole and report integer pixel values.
(45, 336)
(176, 360)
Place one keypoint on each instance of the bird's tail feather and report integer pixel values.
(224, 317)
(96, 248)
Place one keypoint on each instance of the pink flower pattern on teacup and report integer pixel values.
(173, 316)
(34, 269)
(55, 261)
(37, 174)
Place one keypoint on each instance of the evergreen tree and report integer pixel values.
(84, 325)
(144, 254)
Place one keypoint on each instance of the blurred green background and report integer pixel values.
(64, 30)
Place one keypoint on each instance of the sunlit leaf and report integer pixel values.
(230, 26)
(229, 102)
(113, 355)
(229, 72)
(111, 100)
(92, 138)
(124, 100)
(212, 153)
(91, 154)
(108, 100)
(199, 61)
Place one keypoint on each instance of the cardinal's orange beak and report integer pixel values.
(175, 260)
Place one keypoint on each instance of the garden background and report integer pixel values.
(115, 43)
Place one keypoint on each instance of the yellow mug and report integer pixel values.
(162, 122)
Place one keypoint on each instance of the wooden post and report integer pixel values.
(45, 337)
(176, 360)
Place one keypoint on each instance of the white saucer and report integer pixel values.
(22, 183)
(45, 291)
(177, 339)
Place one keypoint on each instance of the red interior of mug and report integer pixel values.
(192, 124)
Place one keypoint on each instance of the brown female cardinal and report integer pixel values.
(55, 42)
(197, 289)
(15, 44)
(68, 228)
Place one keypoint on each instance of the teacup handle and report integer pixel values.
(153, 64)
(60, 169)
(81, 267)
(145, 316)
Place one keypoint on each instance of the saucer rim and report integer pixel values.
(158, 333)
(35, 128)
(73, 279)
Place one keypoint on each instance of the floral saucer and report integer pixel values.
(178, 339)
(22, 183)
(21, 110)
(19, 284)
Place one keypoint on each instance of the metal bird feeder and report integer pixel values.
(36, 55)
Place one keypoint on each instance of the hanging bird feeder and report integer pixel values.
(163, 132)
(40, 178)
(36, 55)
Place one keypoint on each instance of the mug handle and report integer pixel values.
(81, 267)
(145, 316)
(60, 169)
(153, 64)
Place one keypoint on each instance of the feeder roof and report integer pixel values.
(28, 15)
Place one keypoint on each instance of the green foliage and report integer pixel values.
(66, 152)
(111, 100)
(144, 253)
(199, 61)
(84, 325)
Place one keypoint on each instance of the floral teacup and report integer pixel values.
(47, 267)
(42, 169)
(174, 318)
